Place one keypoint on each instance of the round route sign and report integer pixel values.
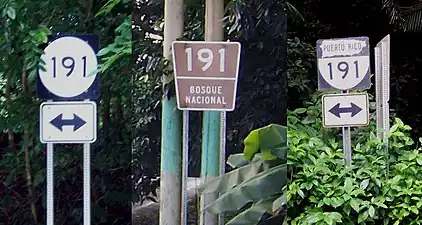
(70, 67)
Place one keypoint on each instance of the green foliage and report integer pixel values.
(301, 58)
(322, 190)
(268, 140)
(262, 166)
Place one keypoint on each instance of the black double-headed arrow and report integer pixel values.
(337, 110)
(77, 122)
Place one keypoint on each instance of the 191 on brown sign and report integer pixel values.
(206, 74)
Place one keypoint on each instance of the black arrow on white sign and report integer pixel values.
(337, 110)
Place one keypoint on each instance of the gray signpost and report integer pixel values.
(343, 65)
(382, 89)
(68, 83)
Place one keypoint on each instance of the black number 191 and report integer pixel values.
(344, 68)
(68, 63)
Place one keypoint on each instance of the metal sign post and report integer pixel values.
(70, 77)
(50, 184)
(382, 87)
(343, 65)
(382, 91)
(185, 166)
(222, 154)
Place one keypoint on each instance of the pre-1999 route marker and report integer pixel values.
(70, 78)
(343, 64)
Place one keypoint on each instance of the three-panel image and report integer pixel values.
(210, 112)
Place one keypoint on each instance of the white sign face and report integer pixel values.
(344, 73)
(343, 64)
(68, 122)
(345, 110)
(70, 67)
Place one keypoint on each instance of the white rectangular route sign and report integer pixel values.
(73, 122)
(345, 110)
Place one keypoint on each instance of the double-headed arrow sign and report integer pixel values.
(77, 122)
(337, 110)
(345, 110)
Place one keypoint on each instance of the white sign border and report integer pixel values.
(212, 43)
(348, 125)
(94, 139)
(358, 86)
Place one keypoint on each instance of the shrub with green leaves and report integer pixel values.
(256, 186)
(322, 190)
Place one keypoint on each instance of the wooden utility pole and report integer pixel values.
(171, 129)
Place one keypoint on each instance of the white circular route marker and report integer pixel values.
(70, 67)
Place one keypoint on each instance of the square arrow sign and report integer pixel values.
(345, 110)
(73, 122)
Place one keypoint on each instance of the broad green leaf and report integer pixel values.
(252, 215)
(314, 218)
(348, 185)
(328, 220)
(364, 184)
(299, 110)
(336, 216)
(371, 211)
(355, 204)
(363, 216)
(251, 143)
(265, 140)
(414, 209)
(106, 50)
(11, 12)
(398, 121)
(235, 177)
(238, 160)
(262, 186)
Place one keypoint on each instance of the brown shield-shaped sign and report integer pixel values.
(206, 74)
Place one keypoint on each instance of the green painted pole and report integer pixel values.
(171, 128)
(210, 160)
